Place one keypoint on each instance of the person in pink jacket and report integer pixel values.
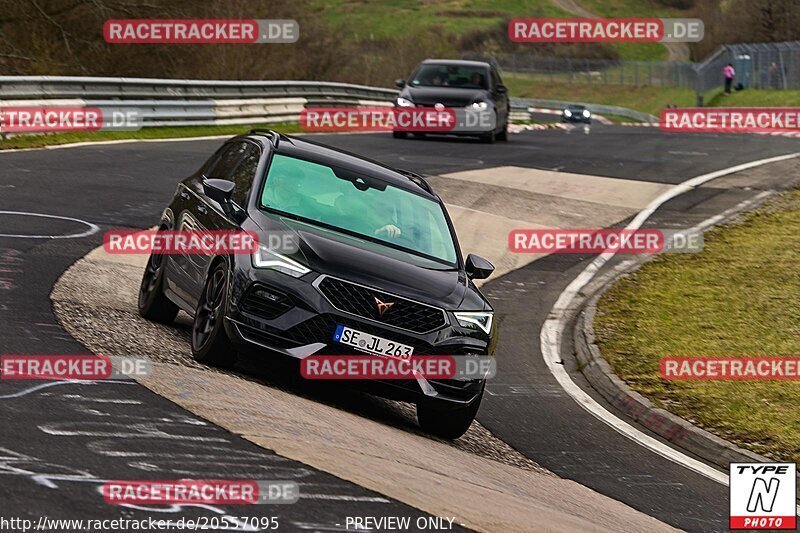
(729, 75)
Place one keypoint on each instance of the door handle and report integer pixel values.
(202, 209)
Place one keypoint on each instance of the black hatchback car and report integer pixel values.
(473, 86)
(366, 236)
(576, 113)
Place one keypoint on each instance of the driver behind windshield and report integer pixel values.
(374, 215)
(476, 79)
(438, 80)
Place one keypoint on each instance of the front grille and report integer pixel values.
(447, 102)
(265, 302)
(364, 302)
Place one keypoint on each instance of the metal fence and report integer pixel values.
(758, 66)
(600, 71)
(763, 65)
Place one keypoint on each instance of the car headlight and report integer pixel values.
(479, 106)
(586, 113)
(476, 319)
(567, 113)
(404, 102)
(264, 258)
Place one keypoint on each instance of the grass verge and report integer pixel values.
(635, 9)
(736, 298)
(456, 18)
(38, 141)
(632, 9)
(755, 98)
(448, 17)
(646, 98)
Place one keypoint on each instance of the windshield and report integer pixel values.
(467, 77)
(360, 205)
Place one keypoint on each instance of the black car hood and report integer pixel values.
(329, 252)
(447, 96)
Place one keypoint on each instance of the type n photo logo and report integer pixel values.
(763, 496)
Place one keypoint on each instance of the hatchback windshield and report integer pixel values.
(359, 205)
(432, 75)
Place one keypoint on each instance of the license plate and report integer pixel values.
(371, 343)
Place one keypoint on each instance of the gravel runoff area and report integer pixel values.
(103, 317)
(369, 441)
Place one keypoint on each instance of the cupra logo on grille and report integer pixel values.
(382, 306)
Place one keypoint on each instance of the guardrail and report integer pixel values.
(164, 102)
(27, 87)
(596, 109)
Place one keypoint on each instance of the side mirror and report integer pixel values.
(501, 89)
(477, 267)
(221, 191)
(400, 82)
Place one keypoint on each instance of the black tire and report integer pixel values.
(503, 135)
(442, 419)
(210, 342)
(152, 303)
(490, 137)
(399, 134)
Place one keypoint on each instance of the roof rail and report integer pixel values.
(416, 178)
(273, 135)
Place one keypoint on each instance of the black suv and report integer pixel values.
(473, 86)
(365, 235)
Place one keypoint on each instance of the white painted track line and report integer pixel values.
(554, 327)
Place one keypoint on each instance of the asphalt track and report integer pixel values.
(64, 434)
(59, 443)
(525, 406)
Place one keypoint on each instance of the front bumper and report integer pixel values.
(467, 121)
(292, 317)
(578, 118)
